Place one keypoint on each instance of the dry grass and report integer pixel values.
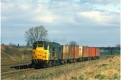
(103, 69)
(10, 53)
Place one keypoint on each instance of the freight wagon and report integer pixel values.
(46, 54)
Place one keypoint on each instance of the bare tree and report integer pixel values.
(38, 33)
(72, 43)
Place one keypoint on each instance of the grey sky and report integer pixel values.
(88, 22)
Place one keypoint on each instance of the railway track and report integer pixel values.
(14, 73)
(7, 63)
(12, 68)
(13, 65)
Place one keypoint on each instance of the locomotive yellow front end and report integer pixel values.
(40, 53)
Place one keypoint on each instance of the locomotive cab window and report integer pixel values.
(40, 45)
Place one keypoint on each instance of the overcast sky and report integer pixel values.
(88, 22)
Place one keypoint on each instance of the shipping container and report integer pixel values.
(71, 52)
(80, 51)
(85, 51)
(89, 51)
(76, 52)
(97, 52)
(93, 52)
(65, 52)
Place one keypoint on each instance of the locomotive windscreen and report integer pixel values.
(38, 44)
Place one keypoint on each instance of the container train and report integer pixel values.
(46, 54)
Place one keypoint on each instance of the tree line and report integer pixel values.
(40, 33)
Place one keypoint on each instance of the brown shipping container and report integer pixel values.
(76, 52)
(80, 51)
(85, 51)
(65, 52)
(97, 52)
(71, 52)
(93, 51)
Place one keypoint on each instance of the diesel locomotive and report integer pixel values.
(46, 54)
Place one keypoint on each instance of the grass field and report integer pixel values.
(11, 53)
(102, 69)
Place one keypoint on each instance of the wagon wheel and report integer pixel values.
(49, 63)
(45, 65)
(36, 66)
(52, 63)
